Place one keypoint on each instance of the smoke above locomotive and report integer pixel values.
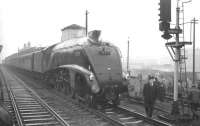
(101, 58)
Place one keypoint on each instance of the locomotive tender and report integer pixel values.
(84, 67)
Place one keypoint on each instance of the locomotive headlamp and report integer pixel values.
(91, 77)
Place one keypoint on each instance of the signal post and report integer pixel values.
(164, 25)
(175, 108)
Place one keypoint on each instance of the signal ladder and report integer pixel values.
(183, 58)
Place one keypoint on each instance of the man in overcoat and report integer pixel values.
(149, 93)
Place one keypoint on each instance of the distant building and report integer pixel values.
(72, 31)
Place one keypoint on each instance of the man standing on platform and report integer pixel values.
(149, 93)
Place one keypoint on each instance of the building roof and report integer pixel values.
(73, 26)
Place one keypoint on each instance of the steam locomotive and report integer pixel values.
(85, 67)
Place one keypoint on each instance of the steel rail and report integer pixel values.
(141, 102)
(116, 120)
(16, 110)
(99, 113)
(111, 120)
(143, 117)
(37, 99)
(53, 112)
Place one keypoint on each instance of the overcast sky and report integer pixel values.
(41, 21)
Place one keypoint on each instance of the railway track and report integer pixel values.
(141, 102)
(119, 116)
(183, 101)
(122, 116)
(67, 109)
(6, 99)
(29, 108)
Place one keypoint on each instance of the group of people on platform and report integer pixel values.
(155, 89)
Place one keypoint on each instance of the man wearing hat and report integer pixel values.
(149, 93)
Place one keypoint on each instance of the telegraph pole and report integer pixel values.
(183, 11)
(128, 58)
(193, 71)
(177, 57)
(86, 22)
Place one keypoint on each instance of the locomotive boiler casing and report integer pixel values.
(101, 58)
